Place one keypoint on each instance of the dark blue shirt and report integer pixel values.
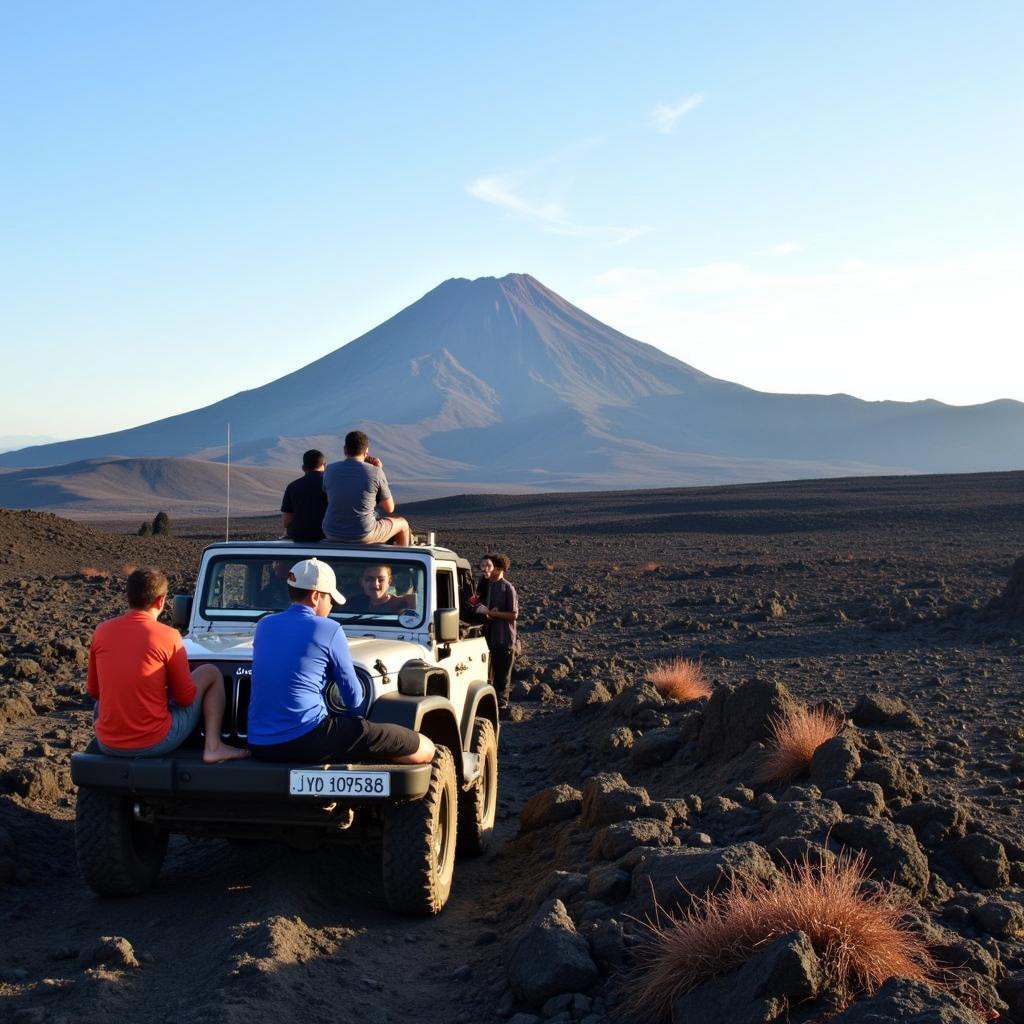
(295, 654)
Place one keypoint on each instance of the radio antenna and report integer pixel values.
(227, 510)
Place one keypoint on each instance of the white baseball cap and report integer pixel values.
(312, 574)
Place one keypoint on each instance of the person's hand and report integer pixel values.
(374, 461)
(482, 609)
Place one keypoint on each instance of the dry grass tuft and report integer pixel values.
(794, 739)
(861, 939)
(650, 566)
(679, 679)
(90, 572)
(127, 569)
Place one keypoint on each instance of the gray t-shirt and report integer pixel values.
(353, 489)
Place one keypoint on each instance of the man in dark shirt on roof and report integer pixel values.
(304, 502)
(359, 502)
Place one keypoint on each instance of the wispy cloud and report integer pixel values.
(505, 191)
(783, 249)
(665, 116)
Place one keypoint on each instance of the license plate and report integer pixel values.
(339, 783)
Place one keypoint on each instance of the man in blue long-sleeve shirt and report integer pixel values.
(296, 653)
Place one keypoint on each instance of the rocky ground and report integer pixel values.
(873, 596)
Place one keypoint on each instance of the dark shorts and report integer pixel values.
(338, 740)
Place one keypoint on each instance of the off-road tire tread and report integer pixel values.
(411, 883)
(474, 839)
(106, 859)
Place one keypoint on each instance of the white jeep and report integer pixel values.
(421, 665)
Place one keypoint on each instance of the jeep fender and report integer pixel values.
(434, 717)
(481, 702)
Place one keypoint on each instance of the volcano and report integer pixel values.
(501, 383)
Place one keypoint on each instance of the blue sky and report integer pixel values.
(197, 198)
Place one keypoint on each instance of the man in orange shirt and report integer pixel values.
(149, 701)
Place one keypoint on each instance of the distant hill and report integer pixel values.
(13, 442)
(501, 384)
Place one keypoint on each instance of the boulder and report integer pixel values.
(786, 972)
(590, 693)
(111, 951)
(835, 763)
(1000, 918)
(655, 747)
(891, 849)
(737, 716)
(548, 957)
(673, 878)
(873, 710)
(557, 803)
(901, 783)
(985, 858)
(615, 841)
(912, 1001)
(935, 821)
(800, 818)
(636, 698)
(608, 882)
(608, 798)
(864, 799)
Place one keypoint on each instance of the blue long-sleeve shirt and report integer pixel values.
(295, 654)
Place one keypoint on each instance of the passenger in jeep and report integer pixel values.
(149, 702)
(296, 654)
(375, 599)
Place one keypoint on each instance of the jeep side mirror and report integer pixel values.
(181, 610)
(446, 625)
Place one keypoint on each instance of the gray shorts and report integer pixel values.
(183, 723)
(382, 532)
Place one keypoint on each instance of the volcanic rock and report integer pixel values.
(548, 957)
(615, 841)
(892, 850)
(786, 972)
(873, 710)
(557, 803)
(673, 878)
(736, 716)
(864, 799)
(608, 798)
(902, 1000)
(835, 762)
(590, 693)
(985, 858)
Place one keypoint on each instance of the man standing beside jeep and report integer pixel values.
(500, 604)
(296, 655)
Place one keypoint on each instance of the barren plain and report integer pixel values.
(892, 601)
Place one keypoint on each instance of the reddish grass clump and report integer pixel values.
(861, 939)
(679, 679)
(795, 737)
(91, 572)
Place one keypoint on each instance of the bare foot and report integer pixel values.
(222, 752)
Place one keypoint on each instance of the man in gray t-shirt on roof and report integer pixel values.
(359, 502)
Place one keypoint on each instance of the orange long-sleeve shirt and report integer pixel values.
(135, 665)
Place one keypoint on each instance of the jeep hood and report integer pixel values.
(366, 650)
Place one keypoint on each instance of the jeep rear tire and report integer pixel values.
(419, 844)
(477, 806)
(117, 854)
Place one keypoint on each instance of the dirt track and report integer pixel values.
(836, 589)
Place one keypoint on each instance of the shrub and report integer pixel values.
(861, 938)
(162, 523)
(795, 737)
(146, 530)
(679, 679)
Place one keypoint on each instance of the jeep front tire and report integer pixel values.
(419, 844)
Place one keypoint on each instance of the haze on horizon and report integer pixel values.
(808, 199)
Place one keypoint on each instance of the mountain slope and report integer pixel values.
(503, 381)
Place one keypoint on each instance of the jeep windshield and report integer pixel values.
(383, 591)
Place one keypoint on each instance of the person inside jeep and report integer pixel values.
(297, 653)
(376, 598)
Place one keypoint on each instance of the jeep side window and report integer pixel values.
(445, 589)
